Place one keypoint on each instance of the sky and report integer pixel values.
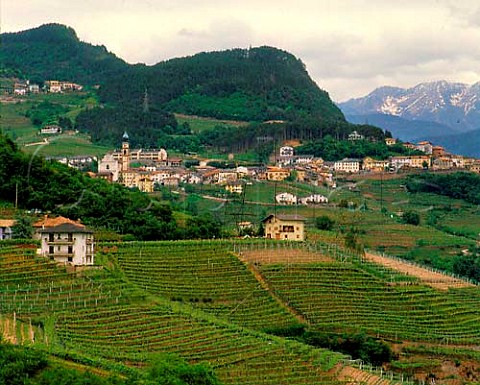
(350, 47)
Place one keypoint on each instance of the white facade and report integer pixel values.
(313, 199)
(347, 165)
(286, 198)
(109, 165)
(65, 241)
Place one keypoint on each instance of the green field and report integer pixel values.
(15, 123)
(198, 124)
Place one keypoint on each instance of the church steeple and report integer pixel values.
(125, 152)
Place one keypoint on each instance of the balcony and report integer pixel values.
(59, 255)
(60, 242)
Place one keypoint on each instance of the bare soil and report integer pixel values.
(266, 257)
(431, 278)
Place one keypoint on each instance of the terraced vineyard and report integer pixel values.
(239, 356)
(32, 285)
(341, 296)
(88, 318)
(206, 275)
(203, 302)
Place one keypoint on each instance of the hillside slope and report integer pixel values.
(243, 84)
(53, 51)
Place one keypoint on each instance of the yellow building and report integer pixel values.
(286, 227)
(375, 165)
(277, 173)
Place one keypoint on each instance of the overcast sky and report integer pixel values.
(349, 47)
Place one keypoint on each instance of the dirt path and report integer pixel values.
(431, 278)
(354, 376)
(251, 265)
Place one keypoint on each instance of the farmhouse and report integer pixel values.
(287, 227)
(6, 228)
(65, 240)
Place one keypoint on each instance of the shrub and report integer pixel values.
(411, 218)
(324, 222)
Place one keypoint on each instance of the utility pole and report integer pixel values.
(16, 195)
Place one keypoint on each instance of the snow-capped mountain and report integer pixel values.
(456, 105)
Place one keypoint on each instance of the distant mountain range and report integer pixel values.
(426, 111)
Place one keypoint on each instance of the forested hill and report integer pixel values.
(254, 84)
(53, 51)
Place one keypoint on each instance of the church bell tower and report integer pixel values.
(125, 152)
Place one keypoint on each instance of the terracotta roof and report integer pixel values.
(7, 222)
(53, 222)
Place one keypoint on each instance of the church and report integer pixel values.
(116, 166)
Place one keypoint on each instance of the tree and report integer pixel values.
(411, 218)
(324, 222)
(22, 229)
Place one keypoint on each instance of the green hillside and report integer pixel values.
(261, 84)
(53, 51)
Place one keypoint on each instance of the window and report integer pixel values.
(50, 237)
(51, 250)
(70, 237)
(70, 249)
(70, 258)
(288, 229)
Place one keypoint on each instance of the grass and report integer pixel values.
(68, 145)
(19, 127)
(198, 124)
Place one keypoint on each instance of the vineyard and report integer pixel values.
(345, 297)
(206, 275)
(212, 302)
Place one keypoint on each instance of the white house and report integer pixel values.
(286, 198)
(355, 136)
(51, 129)
(65, 241)
(313, 199)
(6, 228)
(286, 152)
